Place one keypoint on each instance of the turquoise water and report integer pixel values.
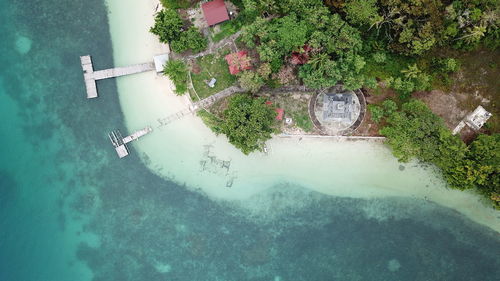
(69, 210)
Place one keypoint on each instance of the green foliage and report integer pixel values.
(167, 26)
(448, 65)
(211, 66)
(175, 4)
(251, 81)
(211, 121)
(411, 79)
(336, 37)
(227, 28)
(277, 38)
(320, 72)
(248, 122)
(416, 132)
(303, 121)
(177, 71)
(389, 107)
(416, 26)
(470, 22)
(484, 158)
(379, 57)
(379, 112)
(362, 12)
(264, 70)
(190, 39)
(376, 112)
(283, 7)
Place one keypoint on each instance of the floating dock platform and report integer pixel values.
(120, 143)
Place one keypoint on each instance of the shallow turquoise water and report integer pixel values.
(69, 210)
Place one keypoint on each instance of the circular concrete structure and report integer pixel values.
(337, 111)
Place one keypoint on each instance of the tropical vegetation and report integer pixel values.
(416, 132)
(177, 71)
(405, 46)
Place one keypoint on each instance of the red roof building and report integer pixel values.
(215, 12)
(237, 62)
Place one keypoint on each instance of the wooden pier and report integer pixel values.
(120, 143)
(90, 76)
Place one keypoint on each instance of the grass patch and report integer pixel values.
(302, 120)
(295, 106)
(227, 28)
(212, 66)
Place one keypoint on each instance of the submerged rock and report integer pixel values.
(23, 44)
(393, 265)
(163, 267)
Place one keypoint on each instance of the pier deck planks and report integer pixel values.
(90, 76)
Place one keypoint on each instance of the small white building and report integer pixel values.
(477, 118)
(160, 61)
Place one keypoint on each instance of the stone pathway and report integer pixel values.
(212, 48)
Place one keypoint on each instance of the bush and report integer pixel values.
(167, 26)
(177, 71)
(175, 4)
(389, 107)
(377, 113)
(379, 57)
(248, 122)
(191, 39)
(449, 65)
(251, 81)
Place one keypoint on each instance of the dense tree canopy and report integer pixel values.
(362, 12)
(190, 39)
(167, 26)
(248, 122)
(177, 71)
(169, 29)
(484, 158)
(416, 132)
(277, 38)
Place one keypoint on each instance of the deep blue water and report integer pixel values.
(70, 211)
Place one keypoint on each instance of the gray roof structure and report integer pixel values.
(338, 107)
(336, 110)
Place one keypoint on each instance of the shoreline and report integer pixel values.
(187, 152)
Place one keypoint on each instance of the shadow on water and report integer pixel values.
(151, 229)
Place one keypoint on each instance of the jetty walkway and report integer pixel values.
(201, 104)
(90, 76)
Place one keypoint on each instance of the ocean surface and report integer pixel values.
(70, 211)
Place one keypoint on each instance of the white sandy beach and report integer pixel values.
(188, 152)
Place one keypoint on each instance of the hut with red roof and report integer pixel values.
(215, 12)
